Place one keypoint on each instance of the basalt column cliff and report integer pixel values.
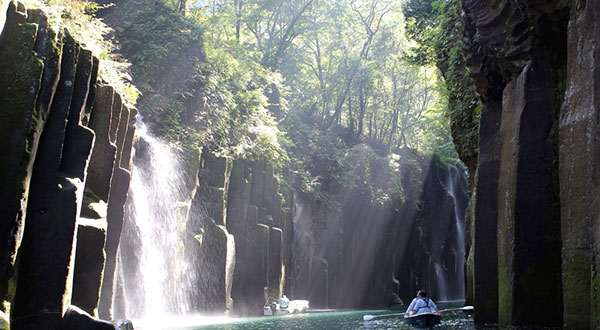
(535, 65)
(66, 145)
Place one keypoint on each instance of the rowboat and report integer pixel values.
(424, 320)
(420, 320)
(295, 306)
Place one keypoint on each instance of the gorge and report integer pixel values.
(225, 182)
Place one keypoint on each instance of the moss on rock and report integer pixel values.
(505, 290)
(576, 287)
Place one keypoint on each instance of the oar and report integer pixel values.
(373, 317)
(465, 308)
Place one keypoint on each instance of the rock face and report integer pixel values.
(21, 71)
(252, 240)
(579, 141)
(534, 66)
(47, 86)
(365, 254)
(259, 217)
(212, 250)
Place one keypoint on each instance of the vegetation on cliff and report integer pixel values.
(78, 17)
(316, 86)
(193, 93)
(348, 96)
(436, 28)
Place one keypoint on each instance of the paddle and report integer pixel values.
(373, 317)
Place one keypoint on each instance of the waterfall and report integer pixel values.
(157, 277)
(229, 266)
(460, 200)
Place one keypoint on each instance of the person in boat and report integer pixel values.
(421, 304)
(284, 302)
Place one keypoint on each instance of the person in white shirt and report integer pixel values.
(421, 304)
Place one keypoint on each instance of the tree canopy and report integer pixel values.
(345, 64)
(305, 83)
(346, 74)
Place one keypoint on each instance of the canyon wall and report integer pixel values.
(534, 65)
(363, 254)
(372, 254)
(242, 225)
(259, 216)
(65, 161)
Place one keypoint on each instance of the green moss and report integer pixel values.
(438, 30)
(505, 296)
(20, 71)
(464, 107)
(576, 290)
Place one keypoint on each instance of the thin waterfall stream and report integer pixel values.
(450, 278)
(459, 217)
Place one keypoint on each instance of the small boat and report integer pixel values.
(295, 306)
(423, 320)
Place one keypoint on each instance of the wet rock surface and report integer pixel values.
(359, 255)
(47, 83)
(534, 65)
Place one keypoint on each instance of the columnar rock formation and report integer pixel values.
(259, 217)
(65, 170)
(368, 254)
(534, 64)
(238, 235)
(211, 251)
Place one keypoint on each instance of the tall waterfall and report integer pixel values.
(455, 187)
(156, 276)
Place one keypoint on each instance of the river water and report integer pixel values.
(339, 320)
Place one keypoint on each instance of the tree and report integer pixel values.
(436, 27)
(275, 25)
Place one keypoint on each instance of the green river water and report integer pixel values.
(343, 320)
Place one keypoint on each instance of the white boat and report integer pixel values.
(294, 306)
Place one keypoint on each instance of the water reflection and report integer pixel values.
(342, 320)
(338, 320)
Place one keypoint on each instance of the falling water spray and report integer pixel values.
(452, 187)
(156, 274)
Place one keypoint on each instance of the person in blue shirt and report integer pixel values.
(421, 304)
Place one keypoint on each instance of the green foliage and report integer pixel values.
(350, 93)
(236, 106)
(195, 90)
(464, 107)
(333, 75)
(436, 28)
(79, 17)
(155, 38)
(423, 26)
